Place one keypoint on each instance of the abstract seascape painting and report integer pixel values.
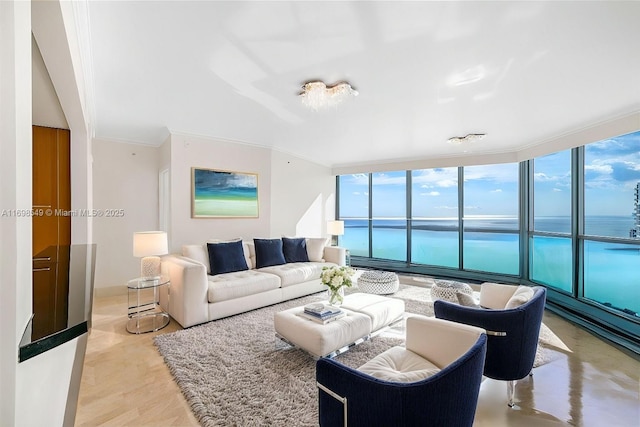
(223, 194)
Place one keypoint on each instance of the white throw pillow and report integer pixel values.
(522, 295)
(315, 248)
(251, 250)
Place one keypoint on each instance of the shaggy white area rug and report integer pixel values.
(233, 372)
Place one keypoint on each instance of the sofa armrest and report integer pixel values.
(335, 254)
(188, 303)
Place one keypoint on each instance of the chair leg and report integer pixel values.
(511, 391)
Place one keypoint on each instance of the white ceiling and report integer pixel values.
(522, 72)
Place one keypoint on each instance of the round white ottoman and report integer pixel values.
(378, 282)
(448, 290)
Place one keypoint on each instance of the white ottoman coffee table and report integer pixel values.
(366, 316)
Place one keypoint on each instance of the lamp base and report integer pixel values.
(150, 266)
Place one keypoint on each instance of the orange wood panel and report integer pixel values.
(45, 187)
(51, 195)
(64, 185)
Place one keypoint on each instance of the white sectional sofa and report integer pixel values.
(198, 295)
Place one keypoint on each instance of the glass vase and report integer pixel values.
(336, 296)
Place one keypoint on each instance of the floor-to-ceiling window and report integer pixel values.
(578, 211)
(490, 238)
(611, 254)
(354, 211)
(389, 215)
(551, 253)
(434, 217)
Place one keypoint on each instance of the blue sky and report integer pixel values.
(612, 169)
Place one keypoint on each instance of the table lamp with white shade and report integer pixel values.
(149, 245)
(335, 229)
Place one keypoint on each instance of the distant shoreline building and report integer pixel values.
(634, 233)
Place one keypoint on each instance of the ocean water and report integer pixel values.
(611, 270)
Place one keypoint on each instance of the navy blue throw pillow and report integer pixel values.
(226, 257)
(268, 252)
(295, 250)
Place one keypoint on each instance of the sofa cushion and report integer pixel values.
(294, 273)
(238, 284)
(226, 257)
(315, 248)
(295, 249)
(268, 252)
(398, 364)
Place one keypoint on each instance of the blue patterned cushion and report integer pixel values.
(268, 252)
(295, 250)
(226, 257)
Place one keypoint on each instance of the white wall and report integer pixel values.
(302, 196)
(47, 111)
(191, 151)
(296, 197)
(125, 176)
(20, 404)
(15, 193)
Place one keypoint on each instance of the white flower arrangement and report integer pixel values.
(337, 278)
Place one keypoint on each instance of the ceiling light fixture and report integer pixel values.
(471, 137)
(318, 96)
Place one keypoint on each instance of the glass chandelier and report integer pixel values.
(318, 96)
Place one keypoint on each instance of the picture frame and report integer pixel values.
(223, 194)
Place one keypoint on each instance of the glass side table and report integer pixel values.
(144, 311)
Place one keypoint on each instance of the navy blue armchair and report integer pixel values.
(512, 333)
(446, 398)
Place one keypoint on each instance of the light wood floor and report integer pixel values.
(126, 383)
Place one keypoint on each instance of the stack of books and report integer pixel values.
(322, 313)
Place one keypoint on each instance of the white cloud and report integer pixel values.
(447, 183)
(359, 179)
(557, 189)
(497, 190)
(389, 179)
(440, 177)
(505, 172)
(599, 168)
(431, 193)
